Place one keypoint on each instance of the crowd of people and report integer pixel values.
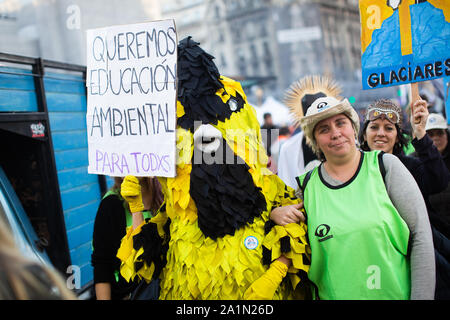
(378, 220)
(389, 209)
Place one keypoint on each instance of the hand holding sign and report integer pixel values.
(419, 116)
(131, 192)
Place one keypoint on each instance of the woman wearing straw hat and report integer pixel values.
(370, 239)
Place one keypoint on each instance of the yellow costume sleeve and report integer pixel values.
(290, 240)
(134, 249)
(265, 286)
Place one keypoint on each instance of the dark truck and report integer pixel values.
(49, 198)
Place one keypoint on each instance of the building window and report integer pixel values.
(254, 59)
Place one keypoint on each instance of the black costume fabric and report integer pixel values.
(155, 247)
(198, 81)
(225, 194)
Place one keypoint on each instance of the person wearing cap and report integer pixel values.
(437, 130)
(369, 233)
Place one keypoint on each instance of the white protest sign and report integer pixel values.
(131, 108)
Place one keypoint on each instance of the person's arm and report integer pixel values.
(429, 171)
(105, 242)
(103, 291)
(407, 199)
(419, 118)
(265, 286)
(287, 214)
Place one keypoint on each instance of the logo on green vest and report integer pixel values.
(322, 231)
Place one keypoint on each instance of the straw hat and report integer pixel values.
(324, 108)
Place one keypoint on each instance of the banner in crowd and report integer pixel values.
(404, 41)
(131, 109)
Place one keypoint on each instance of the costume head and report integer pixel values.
(324, 108)
(220, 145)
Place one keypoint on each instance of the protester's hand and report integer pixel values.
(131, 192)
(419, 118)
(265, 286)
(287, 214)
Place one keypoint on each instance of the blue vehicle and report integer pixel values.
(12, 212)
(48, 198)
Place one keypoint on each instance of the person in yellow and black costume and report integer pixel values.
(213, 233)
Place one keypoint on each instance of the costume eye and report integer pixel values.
(233, 104)
(376, 113)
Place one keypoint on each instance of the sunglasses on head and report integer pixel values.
(390, 115)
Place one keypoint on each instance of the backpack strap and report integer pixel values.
(381, 166)
(302, 185)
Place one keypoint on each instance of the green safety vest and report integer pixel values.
(359, 242)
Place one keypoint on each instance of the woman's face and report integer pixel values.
(439, 138)
(381, 134)
(335, 136)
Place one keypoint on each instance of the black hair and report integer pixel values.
(266, 115)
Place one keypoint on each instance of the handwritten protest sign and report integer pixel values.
(131, 111)
(404, 41)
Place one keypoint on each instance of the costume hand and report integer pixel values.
(265, 286)
(131, 192)
(419, 118)
(288, 214)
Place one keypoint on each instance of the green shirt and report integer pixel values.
(359, 242)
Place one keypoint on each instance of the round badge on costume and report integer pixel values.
(251, 242)
(233, 104)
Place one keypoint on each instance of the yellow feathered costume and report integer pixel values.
(217, 253)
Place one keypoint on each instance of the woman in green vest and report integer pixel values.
(112, 219)
(367, 222)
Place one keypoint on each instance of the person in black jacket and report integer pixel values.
(113, 217)
(382, 130)
(437, 129)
